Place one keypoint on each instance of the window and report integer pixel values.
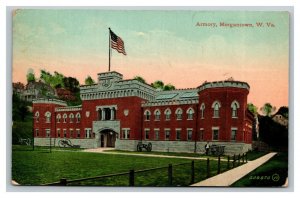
(48, 117)
(58, 117)
(88, 133)
(190, 113)
(125, 133)
(202, 110)
(233, 134)
(215, 133)
(58, 132)
(37, 116)
(201, 134)
(178, 134)
(178, 114)
(157, 114)
(189, 134)
(65, 132)
(65, 118)
(147, 131)
(71, 118)
(167, 134)
(71, 133)
(147, 115)
(234, 106)
(156, 132)
(47, 132)
(216, 106)
(168, 114)
(78, 117)
(37, 134)
(78, 133)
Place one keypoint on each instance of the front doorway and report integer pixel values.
(107, 138)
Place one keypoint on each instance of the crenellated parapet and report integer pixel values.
(111, 85)
(224, 84)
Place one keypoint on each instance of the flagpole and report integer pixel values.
(109, 52)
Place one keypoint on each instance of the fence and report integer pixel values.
(182, 174)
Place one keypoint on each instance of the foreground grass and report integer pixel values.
(267, 174)
(41, 167)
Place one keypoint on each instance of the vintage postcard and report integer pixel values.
(150, 98)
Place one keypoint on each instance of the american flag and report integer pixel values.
(117, 43)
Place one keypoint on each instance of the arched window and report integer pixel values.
(78, 117)
(65, 117)
(58, 117)
(48, 117)
(178, 113)
(234, 106)
(37, 116)
(147, 115)
(216, 106)
(190, 113)
(157, 114)
(71, 116)
(202, 110)
(168, 114)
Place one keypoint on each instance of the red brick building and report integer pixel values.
(120, 113)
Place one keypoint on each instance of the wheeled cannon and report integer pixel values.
(216, 150)
(140, 146)
(67, 143)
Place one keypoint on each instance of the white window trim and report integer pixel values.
(212, 131)
(155, 114)
(233, 128)
(125, 131)
(178, 129)
(147, 130)
(89, 132)
(187, 132)
(193, 113)
(145, 114)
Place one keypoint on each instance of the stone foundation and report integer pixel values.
(231, 148)
(84, 143)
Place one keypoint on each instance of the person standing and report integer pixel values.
(206, 148)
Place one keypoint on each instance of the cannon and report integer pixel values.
(216, 150)
(26, 141)
(140, 146)
(67, 143)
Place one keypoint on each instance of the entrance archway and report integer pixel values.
(108, 138)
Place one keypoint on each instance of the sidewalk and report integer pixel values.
(99, 150)
(229, 177)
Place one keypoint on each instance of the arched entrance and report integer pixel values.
(108, 138)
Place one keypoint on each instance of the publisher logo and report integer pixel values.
(275, 177)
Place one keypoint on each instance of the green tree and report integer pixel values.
(252, 108)
(139, 78)
(30, 77)
(89, 81)
(19, 108)
(283, 111)
(158, 85)
(71, 84)
(268, 109)
(169, 87)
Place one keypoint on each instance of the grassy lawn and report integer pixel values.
(252, 155)
(41, 167)
(267, 174)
